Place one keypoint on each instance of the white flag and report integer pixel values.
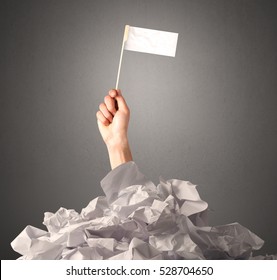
(148, 41)
(151, 41)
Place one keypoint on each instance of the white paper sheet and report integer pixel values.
(137, 220)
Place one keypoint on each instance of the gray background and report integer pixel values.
(208, 115)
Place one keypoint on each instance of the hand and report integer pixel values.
(113, 119)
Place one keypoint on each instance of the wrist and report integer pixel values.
(119, 152)
(117, 142)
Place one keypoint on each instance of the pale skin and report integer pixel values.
(113, 119)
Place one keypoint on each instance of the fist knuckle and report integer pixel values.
(107, 99)
(102, 107)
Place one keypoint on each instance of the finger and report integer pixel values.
(119, 92)
(113, 93)
(110, 104)
(102, 118)
(122, 105)
(104, 110)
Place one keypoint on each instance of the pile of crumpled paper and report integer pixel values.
(137, 220)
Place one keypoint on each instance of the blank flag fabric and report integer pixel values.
(151, 41)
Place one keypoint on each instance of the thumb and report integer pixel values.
(118, 91)
(122, 105)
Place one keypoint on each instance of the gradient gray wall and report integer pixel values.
(208, 115)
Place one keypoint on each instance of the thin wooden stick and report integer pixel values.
(125, 38)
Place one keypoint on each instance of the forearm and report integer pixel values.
(113, 119)
(119, 153)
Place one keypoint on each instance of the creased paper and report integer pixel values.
(137, 220)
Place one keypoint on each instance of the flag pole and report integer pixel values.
(125, 38)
